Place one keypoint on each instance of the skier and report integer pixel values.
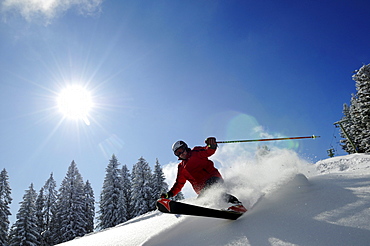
(196, 168)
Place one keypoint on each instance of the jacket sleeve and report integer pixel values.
(180, 182)
(205, 152)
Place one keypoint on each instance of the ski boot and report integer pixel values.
(237, 208)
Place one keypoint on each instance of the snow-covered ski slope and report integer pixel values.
(327, 204)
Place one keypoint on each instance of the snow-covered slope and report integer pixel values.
(300, 207)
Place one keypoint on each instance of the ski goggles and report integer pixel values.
(179, 151)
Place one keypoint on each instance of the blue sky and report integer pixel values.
(159, 71)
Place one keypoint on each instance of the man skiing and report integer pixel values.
(196, 168)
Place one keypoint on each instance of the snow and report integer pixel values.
(291, 201)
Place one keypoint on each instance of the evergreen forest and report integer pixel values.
(54, 215)
(355, 123)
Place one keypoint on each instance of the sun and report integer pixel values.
(75, 102)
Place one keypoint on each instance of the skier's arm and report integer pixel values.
(180, 182)
(209, 149)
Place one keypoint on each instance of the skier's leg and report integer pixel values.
(213, 181)
(225, 196)
(237, 205)
(210, 183)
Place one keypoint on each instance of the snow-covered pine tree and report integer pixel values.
(5, 201)
(142, 188)
(112, 203)
(89, 207)
(360, 109)
(40, 214)
(126, 186)
(355, 129)
(50, 197)
(350, 129)
(159, 183)
(70, 208)
(54, 233)
(25, 231)
(12, 232)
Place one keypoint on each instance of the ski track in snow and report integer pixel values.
(296, 206)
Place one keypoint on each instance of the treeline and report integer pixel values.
(355, 124)
(54, 216)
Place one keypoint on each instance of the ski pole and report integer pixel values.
(265, 139)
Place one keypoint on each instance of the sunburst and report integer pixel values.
(75, 102)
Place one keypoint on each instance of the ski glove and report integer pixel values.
(211, 142)
(167, 195)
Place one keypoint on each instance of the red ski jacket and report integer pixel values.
(197, 169)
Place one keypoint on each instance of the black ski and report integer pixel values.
(173, 207)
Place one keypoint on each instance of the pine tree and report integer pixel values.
(142, 188)
(25, 231)
(89, 207)
(356, 119)
(5, 201)
(112, 202)
(361, 108)
(40, 214)
(50, 197)
(159, 184)
(350, 130)
(354, 126)
(126, 188)
(70, 210)
(54, 233)
(12, 235)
